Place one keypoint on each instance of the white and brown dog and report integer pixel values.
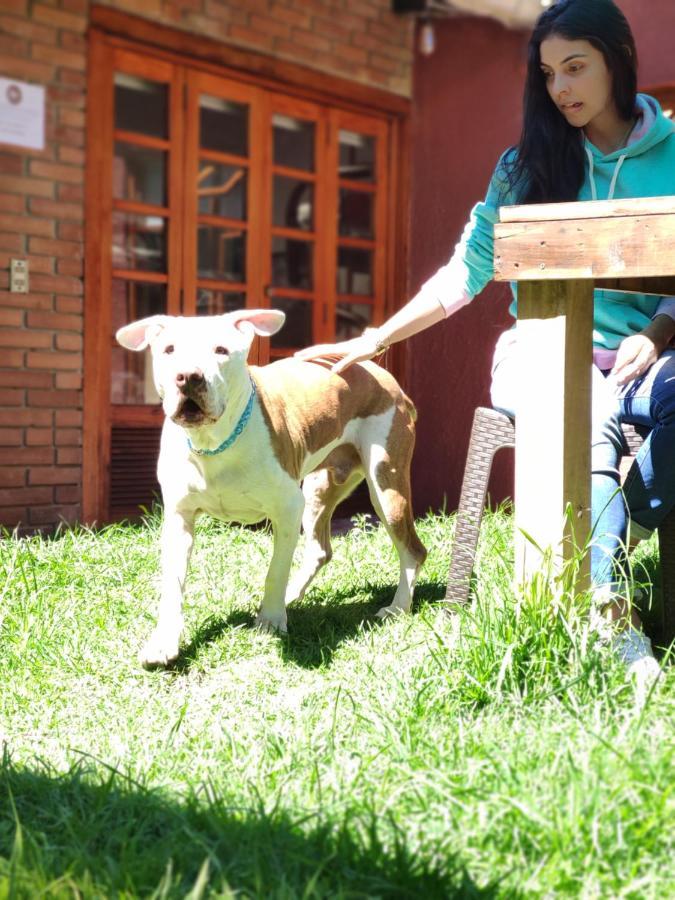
(238, 442)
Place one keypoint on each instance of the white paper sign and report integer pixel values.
(22, 114)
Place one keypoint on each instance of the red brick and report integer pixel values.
(69, 304)
(76, 6)
(68, 380)
(69, 342)
(74, 118)
(65, 94)
(16, 417)
(17, 184)
(64, 134)
(12, 476)
(53, 361)
(61, 283)
(60, 19)
(54, 399)
(12, 203)
(56, 171)
(69, 231)
(69, 456)
(75, 43)
(72, 78)
(27, 70)
(331, 29)
(269, 26)
(53, 515)
(13, 359)
(29, 456)
(26, 29)
(25, 301)
(15, 6)
(22, 337)
(68, 249)
(25, 495)
(310, 40)
(12, 317)
(27, 225)
(57, 321)
(59, 57)
(68, 437)
(12, 242)
(39, 437)
(248, 36)
(13, 397)
(11, 437)
(68, 493)
(13, 46)
(55, 209)
(68, 417)
(74, 267)
(70, 193)
(295, 17)
(52, 475)
(12, 378)
(11, 516)
(74, 155)
(11, 163)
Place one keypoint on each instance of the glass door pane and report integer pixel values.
(141, 157)
(220, 156)
(294, 221)
(361, 223)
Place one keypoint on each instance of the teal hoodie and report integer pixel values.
(645, 168)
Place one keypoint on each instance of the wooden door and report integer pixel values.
(208, 194)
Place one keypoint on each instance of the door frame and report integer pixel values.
(111, 29)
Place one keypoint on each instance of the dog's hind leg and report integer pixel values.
(323, 489)
(387, 464)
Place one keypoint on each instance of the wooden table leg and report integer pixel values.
(553, 421)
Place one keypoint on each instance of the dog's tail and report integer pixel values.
(409, 406)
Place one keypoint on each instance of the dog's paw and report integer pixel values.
(158, 651)
(275, 624)
(388, 612)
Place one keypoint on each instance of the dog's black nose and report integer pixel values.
(193, 380)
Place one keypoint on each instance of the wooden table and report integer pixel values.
(558, 253)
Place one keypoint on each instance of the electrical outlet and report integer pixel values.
(18, 276)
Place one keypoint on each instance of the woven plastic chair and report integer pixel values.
(493, 431)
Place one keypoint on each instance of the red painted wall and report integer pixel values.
(467, 109)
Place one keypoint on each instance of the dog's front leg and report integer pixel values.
(286, 528)
(161, 647)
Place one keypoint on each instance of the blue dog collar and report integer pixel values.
(238, 428)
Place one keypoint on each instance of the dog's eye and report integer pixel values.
(221, 351)
(169, 349)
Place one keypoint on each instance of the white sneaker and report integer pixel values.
(634, 649)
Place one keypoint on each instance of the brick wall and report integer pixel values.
(42, 204)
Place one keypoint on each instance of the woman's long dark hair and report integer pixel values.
(548, 163)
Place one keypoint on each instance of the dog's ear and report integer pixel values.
(264, 322)
(137, 335)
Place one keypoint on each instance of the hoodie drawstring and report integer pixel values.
(591, 174)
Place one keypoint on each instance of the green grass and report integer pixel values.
(498, 753)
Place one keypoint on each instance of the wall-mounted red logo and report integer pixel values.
(13, 94)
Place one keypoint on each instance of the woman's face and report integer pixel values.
(577, 79)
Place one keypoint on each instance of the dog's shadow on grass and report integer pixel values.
(316, 629)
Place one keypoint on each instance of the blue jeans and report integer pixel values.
(649, 489)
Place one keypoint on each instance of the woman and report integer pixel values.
(586, 135)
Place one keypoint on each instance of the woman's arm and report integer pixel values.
(639, 351)
(419, 313)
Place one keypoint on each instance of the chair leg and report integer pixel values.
(666, 621)
(491, 431)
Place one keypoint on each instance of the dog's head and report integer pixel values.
(199, 361)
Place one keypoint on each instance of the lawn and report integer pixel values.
(495, 753)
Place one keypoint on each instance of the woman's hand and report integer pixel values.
(346, 353)
(634, 356)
